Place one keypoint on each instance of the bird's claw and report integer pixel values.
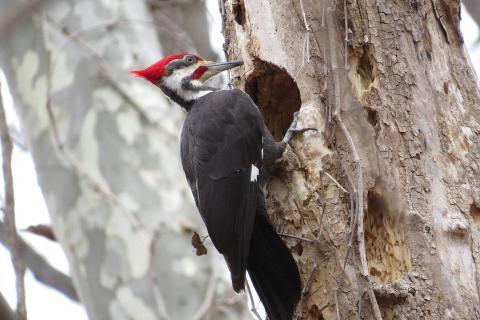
(292, 130)
(302, 130)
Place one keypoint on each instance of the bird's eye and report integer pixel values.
(190, 59)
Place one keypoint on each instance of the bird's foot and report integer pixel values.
(289, 156)
(289, 160)
(293, 130)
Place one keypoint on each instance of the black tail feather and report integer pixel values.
(273, 271)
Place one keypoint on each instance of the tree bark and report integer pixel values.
(406, 100)
(105, 147)
(6, 312)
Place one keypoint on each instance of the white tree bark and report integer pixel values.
(410, 101)
(107, 160)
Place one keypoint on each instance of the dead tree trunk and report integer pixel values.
(394, 166)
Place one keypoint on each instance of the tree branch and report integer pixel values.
(41, 269)
(250, 295)
(9, 211)
(6, 313)
(209, 294)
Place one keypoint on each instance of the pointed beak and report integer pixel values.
(214, 68)
(222, 66)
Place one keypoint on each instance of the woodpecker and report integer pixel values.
(227, 154)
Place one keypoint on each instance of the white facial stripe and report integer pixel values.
(174, 82)
(254, 173)
(196, 83)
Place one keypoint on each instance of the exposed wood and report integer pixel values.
(409, 139)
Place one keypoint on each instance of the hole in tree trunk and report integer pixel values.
(275, 93)
(363, 72)
(372, 116)
(238, 9)
(475, 213)
(365, 69)
(387, 252)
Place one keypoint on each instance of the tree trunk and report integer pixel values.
(105, 147)
(396, 157)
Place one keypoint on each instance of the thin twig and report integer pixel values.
(309, 281)
(345, 18)
(108, 24)
(351, 234)
(337, 307)
(250, 295)
(304, 53)
(296, 237)
(303, 217)
(304, 15)
(104, 70)
(161, 307)
(209, 294)
(157, 294)
(306, 43)
(41, 269)
(9, 210)
(335, 181)
(359, 213)
(320, 223)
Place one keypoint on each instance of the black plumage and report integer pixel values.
(227, 154)
(224, 141)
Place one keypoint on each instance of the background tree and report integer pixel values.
(382, 208)
(473, 8)
(105, 148)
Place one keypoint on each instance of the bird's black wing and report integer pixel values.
(222, 156)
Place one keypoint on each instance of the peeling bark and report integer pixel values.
(410, 100)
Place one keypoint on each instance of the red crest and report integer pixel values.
(155, 71)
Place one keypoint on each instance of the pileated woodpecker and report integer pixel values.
(227, 154)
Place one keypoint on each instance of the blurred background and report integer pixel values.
(100, 151)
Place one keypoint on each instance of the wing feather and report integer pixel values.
(224, 140)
